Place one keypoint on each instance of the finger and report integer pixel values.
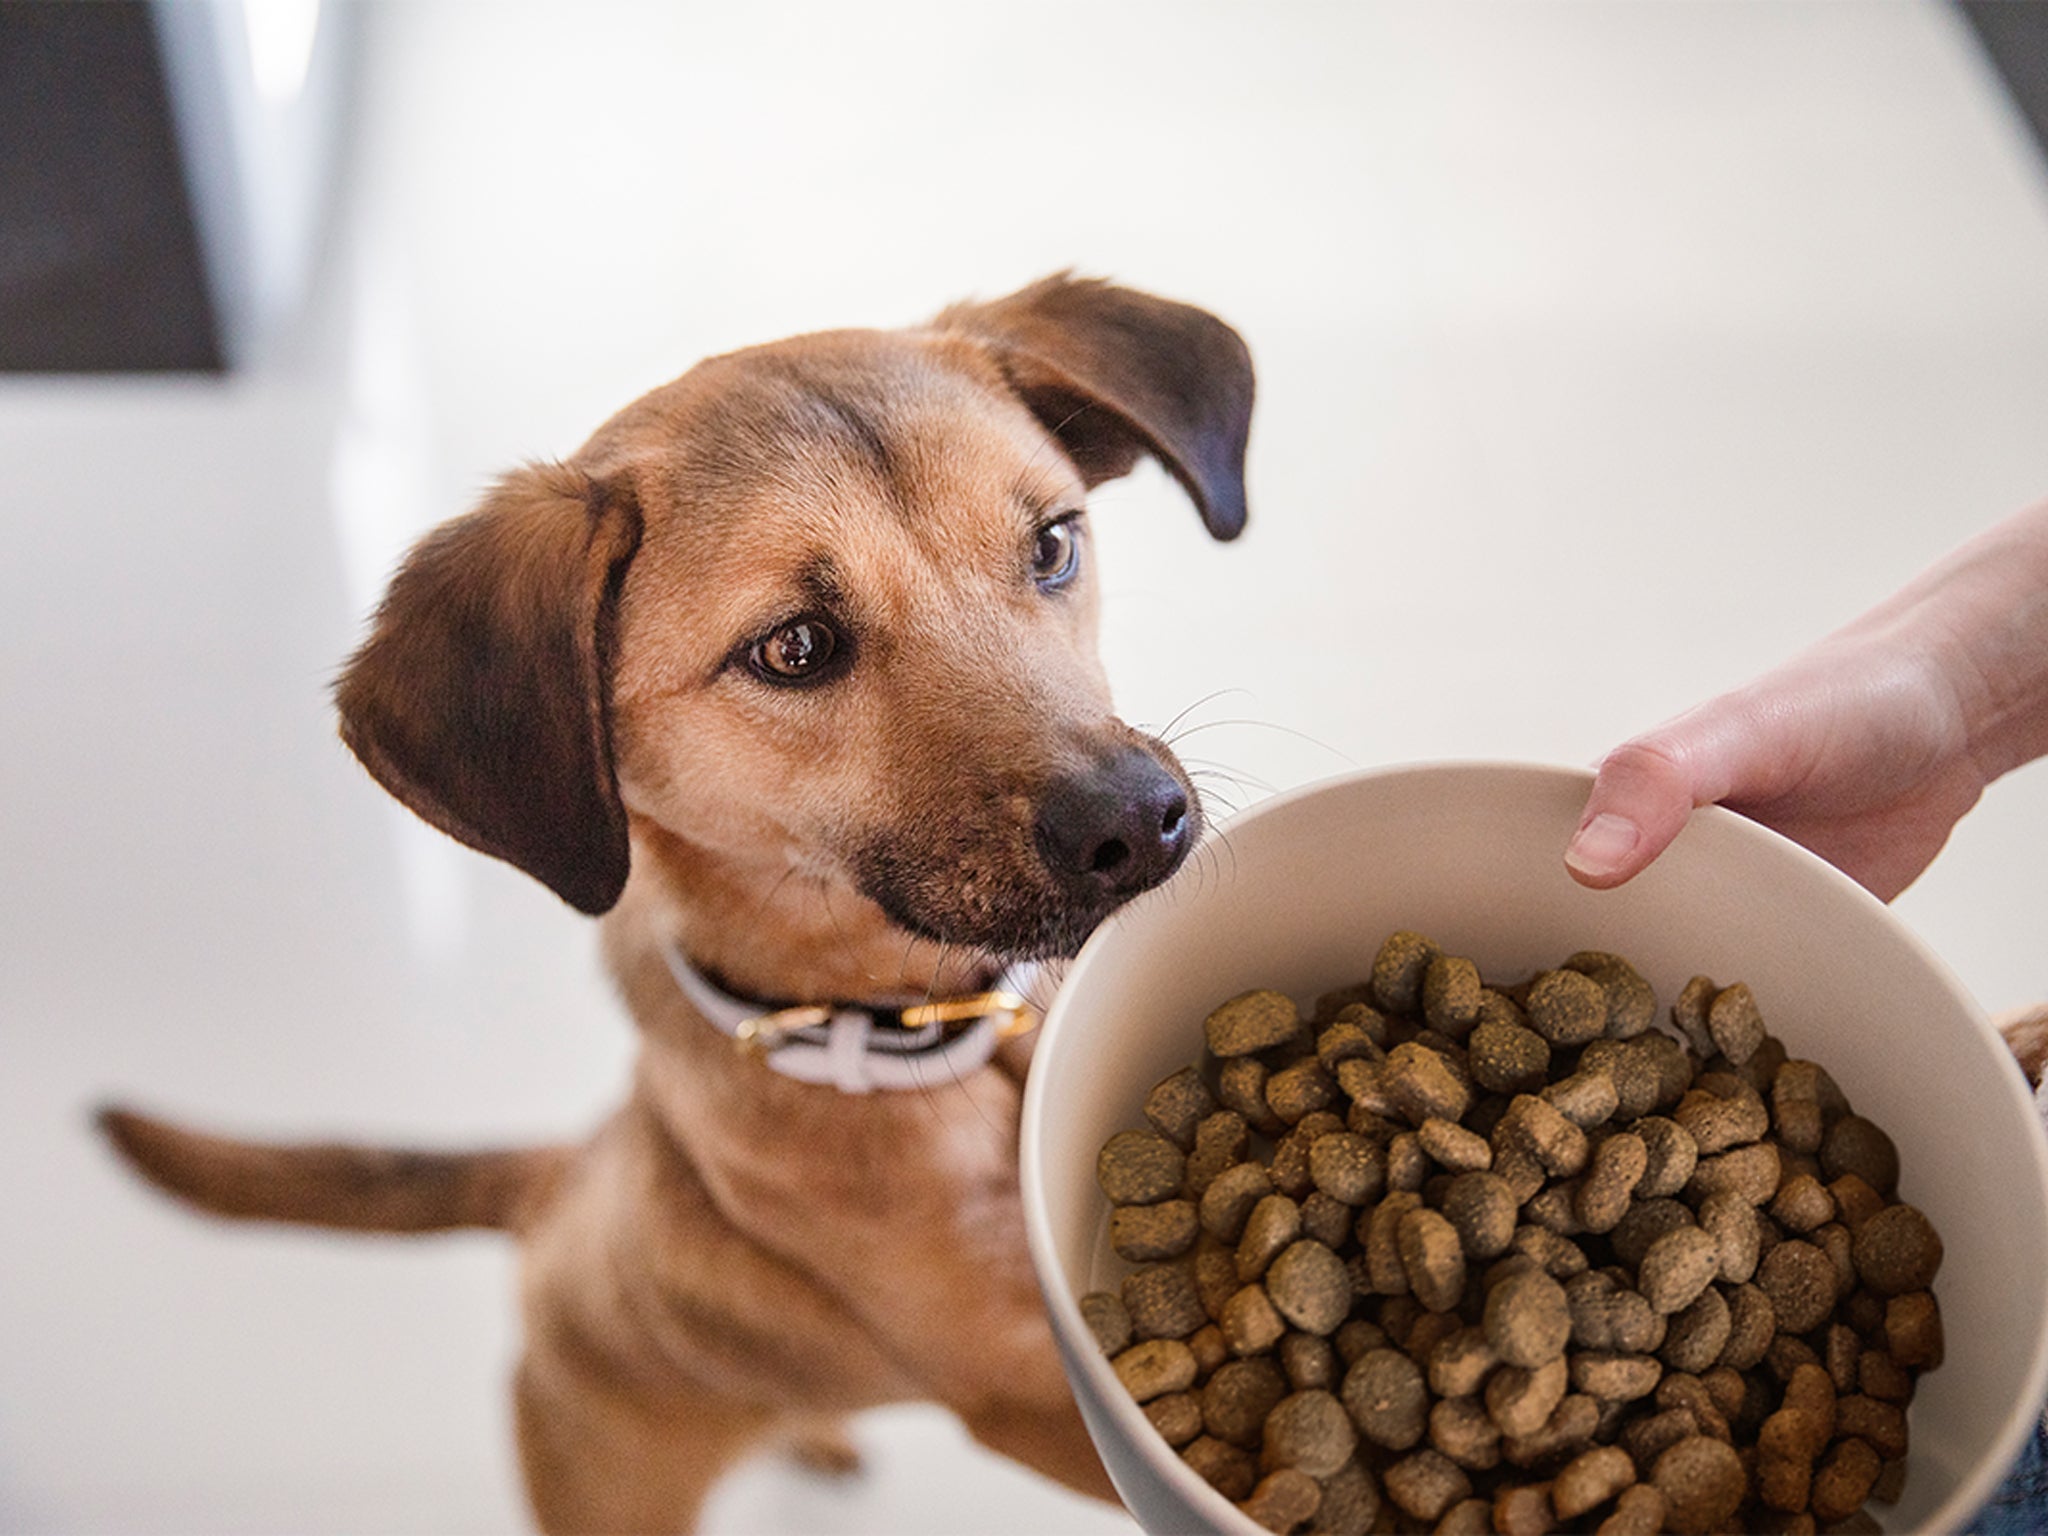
(1640, 800)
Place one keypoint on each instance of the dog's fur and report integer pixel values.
(572, 678)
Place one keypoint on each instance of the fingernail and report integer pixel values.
(1601, 844)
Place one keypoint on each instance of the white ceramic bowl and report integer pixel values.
(1297, 893)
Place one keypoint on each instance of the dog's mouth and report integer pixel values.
(1035, 886)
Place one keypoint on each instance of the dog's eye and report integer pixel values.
(1057, 554)
(802, 651)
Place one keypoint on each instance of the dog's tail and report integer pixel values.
(360, 1189)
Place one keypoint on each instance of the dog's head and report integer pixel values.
(822, 610)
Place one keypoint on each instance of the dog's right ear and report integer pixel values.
(482, 697)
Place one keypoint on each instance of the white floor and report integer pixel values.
(1608, 353)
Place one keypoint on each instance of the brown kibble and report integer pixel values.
(1609, 1316)
(1468, 1517)
(1751, 1172)
(1690, 1013)
(1614, 1377)
(1228, 1201)
(1139, 1168)
(1535, 1125)
(1107, 1321)
(1558, 1257)
(1351, 1502)
(1297, 1091)
(1211, 1349)
(1855, 1201)
(1590, 1480)
(1520, 1401)
(1237, 1398)
(1349, 1168)
(1459, 1363)
(1524, 1510)
(1462, 1430)
(1214, 1269)
(1677, 1267)
(1610, 1183)
(1231, 1470)
(1646, 1222)
(1698, 1334)
(1433, 1258)
(1163, 1302)
(1800, 1281)
(1450, 994)
(1843, 1481)
(1250, 1323)
(1309, 1430)
(1311, 1287)
(1155, 1368)
(1638, 1512)
(1178, 1104)
(1527, 1319)
(1177, 1417)
(1585, 1098)
(1720, 1112)
(1880, 1376)
(1854, 1145)
(1387, 1398)
(1425, 1483)
(1631, 1003)
(1912, 1330)
(1423, 1085)
(1453, 1147)
(1897, 1250)
(1881, 1425)
(1734, 1024)
(1567, 1007)
(1250, 1022)
(1482, 1209)
(1506, 1057)
(1752, 1324)
(1241, 1087)
(1398, 970)
(1146, 1233)
(1274, 1223)
(1568, 1430)
(1284, 1500)
(1802, 1204)
(1671, 1155)
(1702, 1482)
(1220, 1142)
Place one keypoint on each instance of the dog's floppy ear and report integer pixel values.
(1114, 373)
(481, 698)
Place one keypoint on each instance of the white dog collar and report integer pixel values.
(858, 1049)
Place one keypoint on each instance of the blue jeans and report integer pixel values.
(2020, 1507)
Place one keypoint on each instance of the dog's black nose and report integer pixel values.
(1115, 828)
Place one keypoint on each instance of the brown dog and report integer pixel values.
(791, 672)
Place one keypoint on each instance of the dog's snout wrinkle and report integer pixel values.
(1118, 827)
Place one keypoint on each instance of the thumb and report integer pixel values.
(1642, 795)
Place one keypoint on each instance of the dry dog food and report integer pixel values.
(1451, 1256)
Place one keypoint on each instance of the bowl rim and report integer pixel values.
(1972, 1489)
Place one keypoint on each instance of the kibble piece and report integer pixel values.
(1608, 1315)
(1702, 1482)
(1520, 1402)
(1230, 1198)
(1274, 1223)
(1380, 1236)
(1897, 1250)
(1250, 1323)
(1802, 1203)
(1535, 1125)
(1387, 1398)
(1214, 1268)
(1670, 1156)
(1630, 1069)
(1450, 994)
(1423, 1084)
(1460, 1362)
(1855, 1201)
(1678, 1266)
(1163, 1302)
(1329, 1221)
(1238, 1396)
(1398, 969)
(1590, 1480)
(1230, 1469)
(1300, 1090)
(1468, 1517)
(1250, 1022)
(1527, 1319)
(1453, 1147)
(1349, 1168)
(1734, 1024)
(1844, 1480)
(1569, 1429)
(1282, 1501)
(1615, 1377)
(1720, 1112)
(1425, 1483)
(1732, 1221)
(1407, 1164)
(1751, 1172)
(1752, 1324)
(1690, 1013)
(1698, 1335)
(1879, 1375)
(1155, 1368)
(1145, 1233)
(1638, 1512)
(1912, 1330)
(1351, 1502)
(1631, 1002)
(1647, 1221)
(1610, 1183)
(1211, 1349)
(1241, 1086)
(1505, 1057)
(1107, 1321)
(1311, 1287)
(1309, 1430)
(1585, 1098)
(1854, 1145)
(1795, 1106)
(1139, 1167)
(1880, 1425)
(1523, 1509)
(1558, 1257)
(1221, 1140)
(1289, 1164)
(1178, 1104)
(1461, 1428)
(1567, 1008)
(1800, 1281)
(1433, 1258)
(1177, 1417)
(1308, 1361)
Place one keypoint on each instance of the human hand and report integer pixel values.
(1867, 748)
